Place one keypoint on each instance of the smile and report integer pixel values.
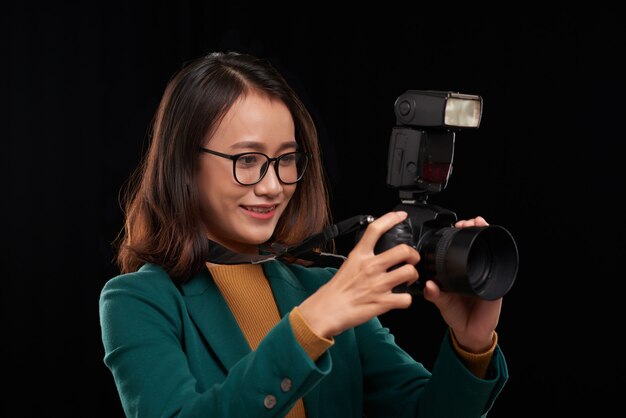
(260, 212)
(260, 209)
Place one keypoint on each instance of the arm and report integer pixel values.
(362, 289)
(396, 385)
(473, 320)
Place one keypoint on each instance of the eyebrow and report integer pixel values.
(256, 145)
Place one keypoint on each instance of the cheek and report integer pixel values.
(208, 190)
(288, 192)
(219, 197)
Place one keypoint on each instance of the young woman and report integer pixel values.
(234, 160)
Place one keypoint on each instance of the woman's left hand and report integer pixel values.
(472, 319)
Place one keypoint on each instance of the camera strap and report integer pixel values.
(308, 250)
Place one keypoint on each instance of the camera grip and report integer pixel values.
(401, 233)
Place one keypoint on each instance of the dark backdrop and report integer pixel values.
(80, 83)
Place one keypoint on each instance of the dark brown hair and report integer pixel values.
(161, 204)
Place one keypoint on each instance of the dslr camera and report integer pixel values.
(480, 261)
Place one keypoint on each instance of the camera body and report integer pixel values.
(480, 261)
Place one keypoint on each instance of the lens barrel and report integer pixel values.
(481, 261)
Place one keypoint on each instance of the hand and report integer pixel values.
(362, 287)
(472, 319)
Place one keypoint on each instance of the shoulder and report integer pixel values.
(128, 301)
(149, 283)
(148, 277)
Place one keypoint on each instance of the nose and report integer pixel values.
(270, 185)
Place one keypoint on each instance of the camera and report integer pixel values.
(480, 261)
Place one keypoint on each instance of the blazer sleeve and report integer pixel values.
(141, 323)
(397, 385)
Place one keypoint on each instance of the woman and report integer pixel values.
(234, 160)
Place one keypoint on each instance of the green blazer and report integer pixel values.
(178, 351)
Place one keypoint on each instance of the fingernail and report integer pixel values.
(402, 214)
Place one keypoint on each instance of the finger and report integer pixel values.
(397, 301)
(401, 253)
(462, 223)
(431, 291)
(376, 229)
(477, 221)
(480, 221)
(465, 223)
(406, 274)
(436, 296)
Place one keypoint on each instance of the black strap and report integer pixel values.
(307, 250)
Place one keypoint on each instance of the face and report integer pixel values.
(236, 216)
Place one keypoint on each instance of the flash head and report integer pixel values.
(421, 149)
(443, 109)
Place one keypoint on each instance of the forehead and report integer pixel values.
(254, 118)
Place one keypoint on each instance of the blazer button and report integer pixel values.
(285, 384)
(270, 401)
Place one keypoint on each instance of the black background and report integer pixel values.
(79, 85)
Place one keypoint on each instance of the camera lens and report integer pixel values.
(482, 261)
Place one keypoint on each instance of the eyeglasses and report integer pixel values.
(250, 167)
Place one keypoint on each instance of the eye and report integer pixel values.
(249, 160)
(289, 159)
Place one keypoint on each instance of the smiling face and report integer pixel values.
(242, 217)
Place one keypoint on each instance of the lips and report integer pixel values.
(260, 209)
(261, 212)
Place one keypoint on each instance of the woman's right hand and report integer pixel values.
(362, 288)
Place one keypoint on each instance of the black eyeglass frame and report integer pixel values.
(234, 157)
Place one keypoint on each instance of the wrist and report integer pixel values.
(475, 345)
(315, 322)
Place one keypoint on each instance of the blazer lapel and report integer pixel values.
(287, 289)
(288, 293)
(216, 323)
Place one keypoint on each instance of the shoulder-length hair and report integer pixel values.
(161, 205)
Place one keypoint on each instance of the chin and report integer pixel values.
(258, 239)
(259, 235)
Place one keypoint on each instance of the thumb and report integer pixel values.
(433, 294)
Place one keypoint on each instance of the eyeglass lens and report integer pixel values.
(251, 168)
